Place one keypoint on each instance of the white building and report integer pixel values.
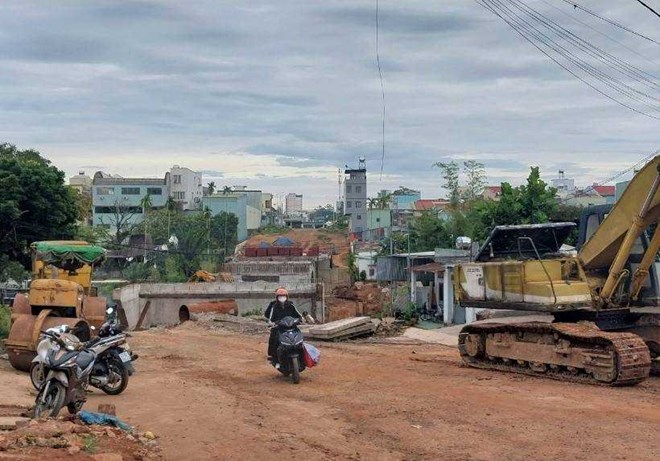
(186, 187)
(294, 203)
(563, 184)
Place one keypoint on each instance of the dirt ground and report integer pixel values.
(211, 395)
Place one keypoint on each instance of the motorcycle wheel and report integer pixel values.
(37, 375)
(117, 368)
(295, 370)
(53, 402)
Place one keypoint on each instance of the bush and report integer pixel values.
(5, 317)
(363, 276)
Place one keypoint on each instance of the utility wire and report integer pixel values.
(614, 177)
(604, 57)
(614, 23)
(382, 91)
(652, 10)
(540, 40)
(589, 26)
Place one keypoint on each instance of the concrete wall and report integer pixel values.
(166, 299)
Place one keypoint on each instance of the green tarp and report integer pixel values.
(52, 253)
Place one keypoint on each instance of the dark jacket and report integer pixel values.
(276, 311)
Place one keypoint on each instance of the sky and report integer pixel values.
(278, 95)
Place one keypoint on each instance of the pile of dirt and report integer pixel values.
(68, 438)
(362, 298)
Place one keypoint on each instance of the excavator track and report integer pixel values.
(575, 352)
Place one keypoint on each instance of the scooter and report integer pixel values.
(112, 366)
(67, 366)
(290, 348)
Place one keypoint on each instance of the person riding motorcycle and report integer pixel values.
(278, 309)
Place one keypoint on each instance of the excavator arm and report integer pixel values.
(611, 244)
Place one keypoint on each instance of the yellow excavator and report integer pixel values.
(60, 294)
(604, 300)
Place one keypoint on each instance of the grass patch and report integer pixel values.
(90, 443)
(5, 317)
(258, 312)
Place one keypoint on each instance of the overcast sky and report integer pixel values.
(279, 94)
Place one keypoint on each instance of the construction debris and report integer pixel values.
(342, 329)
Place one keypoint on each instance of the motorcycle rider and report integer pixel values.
(278, 309)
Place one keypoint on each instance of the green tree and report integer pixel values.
(429, 232)
(211, 187)
(34, 202)
(450, 171)
(475, 173)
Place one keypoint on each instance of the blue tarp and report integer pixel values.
(283, 242)
(264, 245)
(103, 419)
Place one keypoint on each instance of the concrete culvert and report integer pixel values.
(184, 314)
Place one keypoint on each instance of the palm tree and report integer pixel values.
(170, 205)
(146, 204)
(226, 191)
(211, 187)
(373, 203)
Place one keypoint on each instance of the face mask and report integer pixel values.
(281, 298)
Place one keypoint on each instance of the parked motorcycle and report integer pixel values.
(112, 366)
(290, 348)
(67, 366)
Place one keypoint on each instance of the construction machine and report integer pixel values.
(60, 294)
(604, 300)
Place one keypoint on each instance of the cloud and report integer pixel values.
(281, 95)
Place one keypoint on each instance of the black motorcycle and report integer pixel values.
(290, 348)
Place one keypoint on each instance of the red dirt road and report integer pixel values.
(211, 395)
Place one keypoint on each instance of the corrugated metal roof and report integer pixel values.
(430, 267)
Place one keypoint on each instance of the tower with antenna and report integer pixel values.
(355, 197)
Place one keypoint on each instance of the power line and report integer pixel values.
(589, 26)
(654, 12)
(614, 23)
(574, 64)
(613, 177)
(382, 91)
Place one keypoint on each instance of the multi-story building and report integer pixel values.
(186, 187)
(244, 203)
(355, 197)
(294, 203)
(81, 182)
(404, 199)
(117, 201)
(563, 184)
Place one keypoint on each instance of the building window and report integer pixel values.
(180, 195)
(358, 189)
(372, 272)
(377, 220)
(348, 188)
(358, 204)
(349, 204)
(117, 209)
(105, 190)
(130, 191)
(359, 217)
(155, 190)
(177, 179)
